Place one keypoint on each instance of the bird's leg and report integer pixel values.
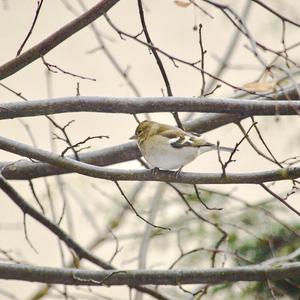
(155, 171)
(178, 172)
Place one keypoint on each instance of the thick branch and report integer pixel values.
(144, 175)
(148, 104)
(55, 229)
(128, 151)
(25, 169)
(143, 277)
(215, 120)
(55, 39)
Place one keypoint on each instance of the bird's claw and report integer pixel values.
(177, 173)
(155, 171)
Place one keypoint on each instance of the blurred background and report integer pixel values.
(94, 208)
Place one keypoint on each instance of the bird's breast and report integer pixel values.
(159, 153)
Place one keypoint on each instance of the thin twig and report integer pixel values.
(202, 202)
(26, 234)
(217, 226)
(52, 68)
(251, 143)
(272, 11)
(55, 39)
(35, 196)
(280, 199)
(203, 52)
(82, 142)
(235, 149)
(157, 58)
(135, 211)
(39, 6)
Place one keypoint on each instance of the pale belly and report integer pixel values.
(164, 156)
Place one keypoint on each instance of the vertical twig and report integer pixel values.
(39, 6)
(158, 60)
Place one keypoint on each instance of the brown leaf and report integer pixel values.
(260, 86)
(182, 3)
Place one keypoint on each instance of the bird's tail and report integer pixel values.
(227, 149)
(208, 147)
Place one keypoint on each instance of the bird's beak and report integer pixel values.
(134, 137)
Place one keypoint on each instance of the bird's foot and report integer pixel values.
(155, 171)
(177, 173)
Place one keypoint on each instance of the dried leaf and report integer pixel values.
(182, 3)
(260, 86)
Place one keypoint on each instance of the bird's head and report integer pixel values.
(142, 131)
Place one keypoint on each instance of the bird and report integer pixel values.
(168, 147)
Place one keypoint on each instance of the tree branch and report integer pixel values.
(55, 39)
(24, 169)
(134, 105)
(128, 151)
(144, 277)
(55, 229)
(272, 11)
(39, 6)
(27, 209)
(214, 120)
(145, 175)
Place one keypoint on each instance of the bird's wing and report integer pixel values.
(171, 132)
(188, 141)
(178, 138)
(180, 142)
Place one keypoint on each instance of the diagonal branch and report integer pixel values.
(25, 169)
(283, 201)
(157, 59)
(55, 39)
(27, 209)
(39, 6)
(272, 11)
(80, 252)
(153, 49)
(145, 175)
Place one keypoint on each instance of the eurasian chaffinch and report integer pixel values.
(168, 147)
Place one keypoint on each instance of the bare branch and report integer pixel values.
(157, 59)
(39, 6)
(143, 277)
(54, 69)
(135, 211)
(80, 252)
(81, 143)
(283, 201)
(272, 11)
(129, 151)
(214, 120)
(26, 234)
(168, 176)
(173, 58)
(145, 175)
(29, 210)
(203, 52)
(36, 197)
(132, 105)
(102, 45)
(231, 48)
(230, 159)
(55, 39)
